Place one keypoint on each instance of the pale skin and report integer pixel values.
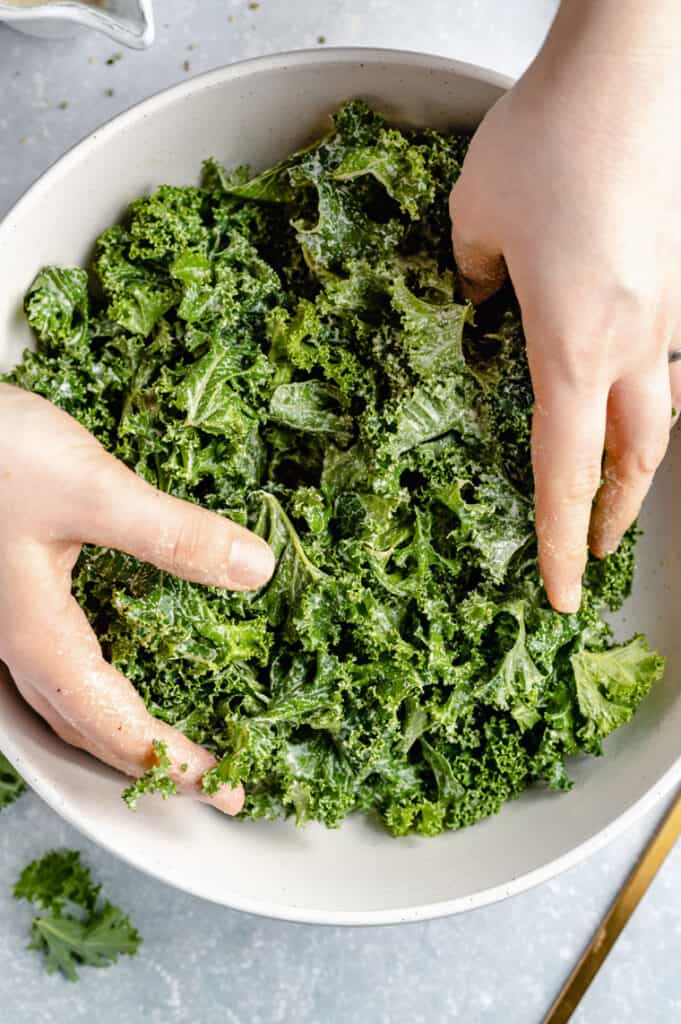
(58, 490)
(570, 187)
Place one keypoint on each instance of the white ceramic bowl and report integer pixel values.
(257, 112)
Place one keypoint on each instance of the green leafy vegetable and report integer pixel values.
(311, 406)
(55, 879)
(75, 928)
(397, 164)
(290, 351)
(611, 683)
(11, 783)
(57, 306)
(154, 780)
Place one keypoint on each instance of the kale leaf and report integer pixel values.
(154, 779)
(75, 928)
(289, 350)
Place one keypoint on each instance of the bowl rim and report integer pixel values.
(230, 72)
(44, 787)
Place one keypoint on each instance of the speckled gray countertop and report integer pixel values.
(200, 962)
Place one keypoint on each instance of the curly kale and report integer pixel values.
(288, 350)
(154, 780)
(72, 927)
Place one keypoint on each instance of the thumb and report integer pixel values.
(478, 256)
(117, 509)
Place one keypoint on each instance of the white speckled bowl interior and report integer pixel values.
(256, 112)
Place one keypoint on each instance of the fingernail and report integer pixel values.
(228, 799)
(251, 562)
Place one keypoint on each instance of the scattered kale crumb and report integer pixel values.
(253, 5)
(11, 783)
(154, 780)
(186, 65)
(321, 40)
(290, 350)
(109, 92)
(72, 926)
(114, 58)
(63, 105)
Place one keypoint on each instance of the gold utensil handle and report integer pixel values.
(614, 921)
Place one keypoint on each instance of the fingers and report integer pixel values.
(65, 731)
(568, 429)
(636, 440)
(122, 511)
(46, 711)
(481, 266)
(75, 491)
(52, 652)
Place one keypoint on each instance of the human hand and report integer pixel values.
(59, 489)
(571, 185)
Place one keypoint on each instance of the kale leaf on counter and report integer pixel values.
(72, 927)
(288, 350)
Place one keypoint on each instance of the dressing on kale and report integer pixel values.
(288, 350)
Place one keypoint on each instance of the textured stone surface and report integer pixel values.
(201, 962)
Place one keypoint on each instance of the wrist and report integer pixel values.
(622, 30)
(610, 62)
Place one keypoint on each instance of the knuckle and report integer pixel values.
(461, 228)
(621, 327)
(640, 462)
(578, 488)
(578, 361)
(582, 362)
(464, 243)
(458, 195)
(187, 544)
(629, 289)
(632, 296)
